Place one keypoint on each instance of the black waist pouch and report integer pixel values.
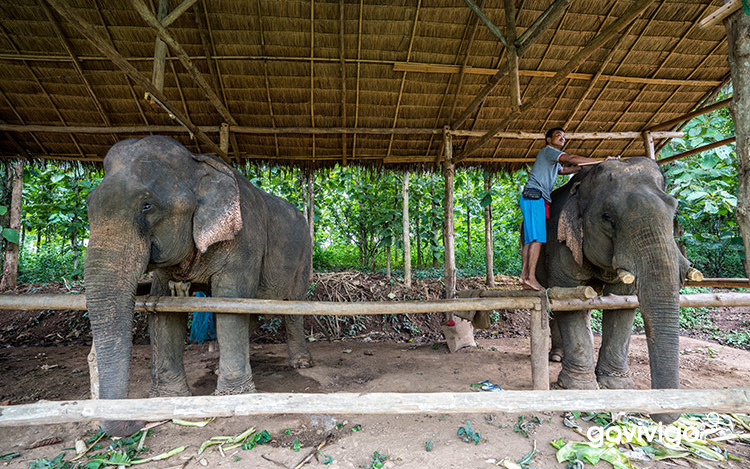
(531, 193)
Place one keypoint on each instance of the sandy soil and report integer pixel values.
(61, 373)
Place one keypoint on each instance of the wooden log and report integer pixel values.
(488, 22)
(199, 407)
(164, 304)
(625, 277)
(449, 170)
(256, 306)
(720, 15)
(648, 144)
(694, 274)
(686, 117)
(719, 283)
(700, 149)
(539, 334)
(561, 293)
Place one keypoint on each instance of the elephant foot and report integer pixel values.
(245, 386)
(162, 390)
(614, 380)
(664, 419)
(555, 355)
(301, 360)
(121, 428)
(576, 380)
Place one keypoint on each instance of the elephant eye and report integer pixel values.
(608, 218)
(146, 207)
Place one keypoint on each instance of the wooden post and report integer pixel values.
(10, 268)
(449, 232)
(311, 203)
(648, 143)
(539, 335)
(160, 50)
(224, 137)
(510, 31)
(738, 30)
(406, 231)
(488, 244)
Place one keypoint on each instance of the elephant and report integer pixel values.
(187, 218)
(611, 221)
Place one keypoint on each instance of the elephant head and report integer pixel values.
(617, 217)
(158, 205)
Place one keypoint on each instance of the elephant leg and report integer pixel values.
(299, 354)
(233, 334)
(167, 333)
(556, 350)
(578, 351)
(612, 367)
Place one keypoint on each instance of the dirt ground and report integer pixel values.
(373, 361)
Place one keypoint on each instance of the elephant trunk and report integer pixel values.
(656, 262)
(111, 276)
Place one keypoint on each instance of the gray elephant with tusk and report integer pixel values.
(187, 218)
(612, 224)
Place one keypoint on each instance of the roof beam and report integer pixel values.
(488, 22)
(700, 149)
(342, 67)
(90, 33)
(686, 117)
(548, 17)
(160, 50)
(403, 77)
(510, 30)
(76, 63)
(184, 59)
(613, 29)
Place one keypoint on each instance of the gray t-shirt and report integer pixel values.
(544, 172)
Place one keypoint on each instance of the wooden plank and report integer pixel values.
(199, 407)
(720, 15)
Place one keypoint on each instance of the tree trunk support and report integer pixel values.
(738, 30)
(406, 232)
(449, 232)
(10, 267)
(488, 244)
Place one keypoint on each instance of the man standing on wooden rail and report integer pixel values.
(535, 200)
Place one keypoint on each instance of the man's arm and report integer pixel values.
(569, 170)
(575, 159)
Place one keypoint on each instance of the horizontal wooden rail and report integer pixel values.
(330, 308)
(195, 407)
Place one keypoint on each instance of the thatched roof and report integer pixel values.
(331, 82)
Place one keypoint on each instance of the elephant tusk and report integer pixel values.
(625, 276)
(694, 274)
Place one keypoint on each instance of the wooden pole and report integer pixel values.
(489, 252)
(719, 283)
(510, 30)
(405, 229)
(200, 407)
(488, 22)
(686, 117)
(10, 267)
(610, 31)
(486, 302)
(700, 149)
(648, 143)
(104, 47)
(721, 14)
(449, 232)
(539, 338)
(160, 50)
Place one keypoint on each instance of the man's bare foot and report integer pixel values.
(531, 285)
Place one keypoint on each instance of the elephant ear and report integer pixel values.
(570, 227)
(217, 215)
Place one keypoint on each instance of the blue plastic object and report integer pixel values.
(203, 328)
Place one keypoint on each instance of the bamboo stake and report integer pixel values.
(199, 407)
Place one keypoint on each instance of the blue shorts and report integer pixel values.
(534, 220)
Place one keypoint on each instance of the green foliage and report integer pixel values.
(705, 186)
(378, 461)
(8, 234)
(48, 265)
(468, 434)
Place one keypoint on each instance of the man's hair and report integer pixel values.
(552, 131)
